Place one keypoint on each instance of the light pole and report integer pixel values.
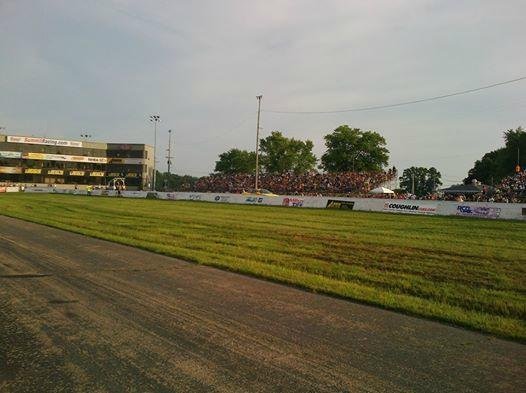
(412, 182)
(257, 141)
(168, 159)
(169, 150)
(154, 119)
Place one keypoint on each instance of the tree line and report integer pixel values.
(348, 149)
(497, 164)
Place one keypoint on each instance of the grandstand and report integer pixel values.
(63, 163)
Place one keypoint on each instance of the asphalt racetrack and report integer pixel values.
(80, 314)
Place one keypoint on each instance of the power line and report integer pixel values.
(374, 107)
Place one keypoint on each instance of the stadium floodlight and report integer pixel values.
(154, 119)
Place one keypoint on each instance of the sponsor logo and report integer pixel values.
(478, 211)
(336, 204)
(294, 202)
(194, 197)
(171, 196)
(221, 198)
(43, 141)
(254, 200)
(76, 173)
(33, 171)
(55, 172)
(409, 208)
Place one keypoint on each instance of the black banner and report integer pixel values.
(336, 204)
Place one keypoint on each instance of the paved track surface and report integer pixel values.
(79, 314)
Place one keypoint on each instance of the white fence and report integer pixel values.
(510, 211)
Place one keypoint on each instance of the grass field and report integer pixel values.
(468, 272)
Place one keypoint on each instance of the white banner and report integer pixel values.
(409, 206)
(63, 157)
(42, 141)
(10, 154)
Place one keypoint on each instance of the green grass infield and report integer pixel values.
(467, 272)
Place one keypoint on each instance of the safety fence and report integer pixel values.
(513, 211)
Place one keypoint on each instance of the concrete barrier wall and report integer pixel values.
(515, 211)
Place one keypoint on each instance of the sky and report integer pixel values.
(102, 67)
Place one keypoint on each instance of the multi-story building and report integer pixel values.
(37, 160)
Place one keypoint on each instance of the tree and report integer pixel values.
(281, 154)
(174, 182)
(426, 181)
(349, 149)
(236, 161)
(497, 164)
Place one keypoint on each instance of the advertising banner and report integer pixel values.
(131, 175)
(254, 199)
(76, 173)
(10, 154)
(10, 169)
(65, 158)
(42, 141)
(33, 171)
(412, 207)
(128, 161)
(339, 204)
(222, 198)
(97, 174)
(55, 172)
(478, 211)
(292, 201)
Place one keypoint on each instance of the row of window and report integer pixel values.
(72, 151)
(15, 162)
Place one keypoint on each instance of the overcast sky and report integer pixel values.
(101, 66)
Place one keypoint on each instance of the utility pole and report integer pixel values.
(518, 168)
(257, 142)
(154, 119)
(413, 182)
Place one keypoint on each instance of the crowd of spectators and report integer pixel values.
(513, 186)
(512, 189)
(358, 184)
(312, 183)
